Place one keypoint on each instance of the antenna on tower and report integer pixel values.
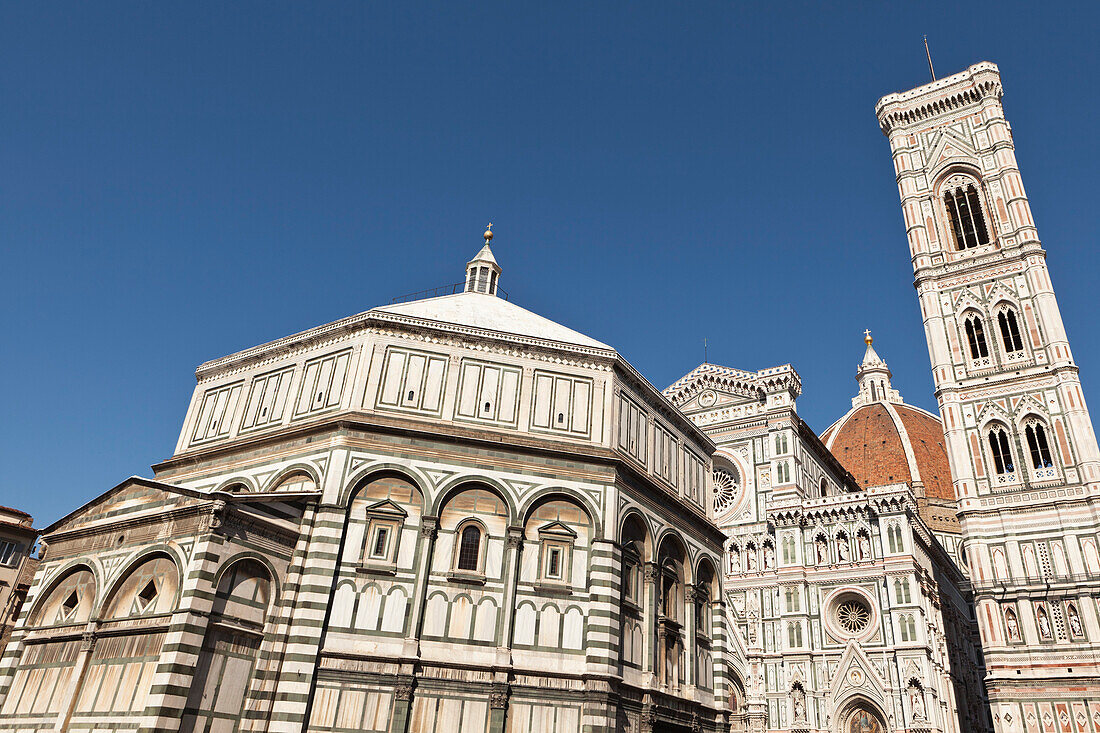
(928, 53)
(704, 349)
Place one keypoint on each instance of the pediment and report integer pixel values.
(133, 497)
(557, 528)
(387, 508)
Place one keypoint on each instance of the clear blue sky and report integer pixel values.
(178, 182)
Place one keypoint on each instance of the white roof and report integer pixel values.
(489, 313)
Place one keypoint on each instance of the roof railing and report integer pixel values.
(452, 289)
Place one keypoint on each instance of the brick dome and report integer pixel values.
(882, 440)
(882, 443)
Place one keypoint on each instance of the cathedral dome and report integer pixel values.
(882, 440)
(880, 443)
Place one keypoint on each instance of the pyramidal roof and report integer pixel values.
(488, 313)
(478, 309)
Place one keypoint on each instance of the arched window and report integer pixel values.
(1038, 446)
(1002, 454)
(780, 443)
(824, 488)
(1010, 331)
(908, 628)
(469, 549)
(150, 588)
(901, 590)
(69, 602)
(975, 337)
(893, 535)
(788, 550)
(794, 635)
(964, 210)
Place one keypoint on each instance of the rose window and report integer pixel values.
(853, 615)
(726, 489)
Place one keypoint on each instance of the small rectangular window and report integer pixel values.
(381, 543)
(553, 563)
(7, 553)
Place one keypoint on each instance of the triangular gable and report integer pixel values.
(856, 673)
(387, 508)
(1027, 404)
(133, 496)
(952, 145)
(998, 291)
(992, 410)
(967, 299)
(557, 528)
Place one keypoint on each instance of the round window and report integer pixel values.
(727, 488)
(853, 615)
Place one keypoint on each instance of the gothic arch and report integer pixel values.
(855, 704)
(365, 474)
(939, 175)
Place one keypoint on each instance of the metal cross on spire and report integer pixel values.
(867, 335)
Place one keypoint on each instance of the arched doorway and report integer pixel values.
(862, 717)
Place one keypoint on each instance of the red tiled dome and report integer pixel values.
(879, 448)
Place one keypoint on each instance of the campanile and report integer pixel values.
(1023, 454)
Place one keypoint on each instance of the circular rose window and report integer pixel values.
(853, 615)
(727, 487)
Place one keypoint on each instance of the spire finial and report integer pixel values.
(928, 53)
(867, 337)
(488, 233)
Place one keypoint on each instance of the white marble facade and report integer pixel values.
(453, 514)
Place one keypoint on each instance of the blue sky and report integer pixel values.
(180, 181)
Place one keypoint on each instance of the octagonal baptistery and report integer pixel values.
(882, 440)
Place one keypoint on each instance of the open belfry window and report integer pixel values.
(1010, 331)
(380, 543)
(1002, 453)
(1037, 445)
(975, 337)
(964, 211)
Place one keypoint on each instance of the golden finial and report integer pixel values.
(488, 233)
(867, 337)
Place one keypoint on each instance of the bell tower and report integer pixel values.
(1024, 458)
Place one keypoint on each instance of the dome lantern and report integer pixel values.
(483, 272)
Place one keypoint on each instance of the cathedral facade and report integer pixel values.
(452, 514)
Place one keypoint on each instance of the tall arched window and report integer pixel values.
(469, 548)
(1038, 446)
(1002, 454)
(964, 210)
(1010, 331)
(975, 337)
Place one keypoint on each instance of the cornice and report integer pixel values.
(1010, 255)
(941, 97)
